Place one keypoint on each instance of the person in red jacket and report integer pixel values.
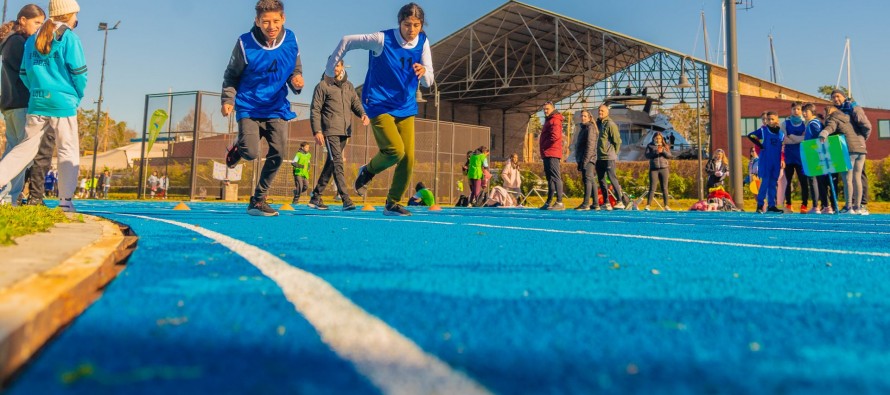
(551, 153)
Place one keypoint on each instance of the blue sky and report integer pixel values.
(185, 44)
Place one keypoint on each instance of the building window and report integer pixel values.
(749, 125)
(884, 128)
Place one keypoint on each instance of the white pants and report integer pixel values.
(15, 135)
(66, 141)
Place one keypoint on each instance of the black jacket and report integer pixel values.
(13, 93)
(585, 150)
(333, 104)
(711, 169)
(658, 160)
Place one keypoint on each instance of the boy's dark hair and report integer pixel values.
(809, 107)
(419, 186)
(412, 9)
(264, 6)
(304, 144)
(772, 113)
(797, 104)
(482, 149)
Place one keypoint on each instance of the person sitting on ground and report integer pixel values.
(511, 176)
(717, 169)
(659, 154)
(423, 197)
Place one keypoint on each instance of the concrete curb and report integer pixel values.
(34, 309)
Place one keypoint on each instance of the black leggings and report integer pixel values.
(802, 179)
(662, 175)
(588, 177)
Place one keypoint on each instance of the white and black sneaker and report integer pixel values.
(259, 208)
(67, 206)
(362, 180)
(395, 210)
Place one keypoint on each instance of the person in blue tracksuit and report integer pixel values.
(769, 139)
(264, 62)
(399, 60)
(795, 129)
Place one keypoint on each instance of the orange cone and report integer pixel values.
(181, 206)
(435, 207)
(368, 207)
(286, 207)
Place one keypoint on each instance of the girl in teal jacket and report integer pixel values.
(55, 73)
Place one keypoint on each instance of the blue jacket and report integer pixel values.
(56, 80)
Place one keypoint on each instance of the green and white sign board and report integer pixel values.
(829, 157)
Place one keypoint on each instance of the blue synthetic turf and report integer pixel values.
(519, 311)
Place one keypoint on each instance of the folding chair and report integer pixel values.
(537, 188)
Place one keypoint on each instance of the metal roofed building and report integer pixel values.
(499, 70)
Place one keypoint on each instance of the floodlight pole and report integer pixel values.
(102, 27)
(733, 105)
(436, 103)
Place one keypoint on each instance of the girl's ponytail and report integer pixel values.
(8, 28)
(44, 40)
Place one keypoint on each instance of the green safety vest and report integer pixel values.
(302, 159)
(474, 171)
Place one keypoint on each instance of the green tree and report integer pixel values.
(826, 90)
(112, 134)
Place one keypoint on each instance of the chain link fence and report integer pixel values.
(195, 117)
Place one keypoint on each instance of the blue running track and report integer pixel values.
(518, 301)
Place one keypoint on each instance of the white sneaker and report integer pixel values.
(864, 211)
(853, 212)
(666, 208)
(67, 206)
(619, 206)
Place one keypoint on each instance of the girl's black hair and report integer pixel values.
(412, 9)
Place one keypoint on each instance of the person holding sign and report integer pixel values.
(836, 122)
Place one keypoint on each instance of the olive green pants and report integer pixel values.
(395, 139)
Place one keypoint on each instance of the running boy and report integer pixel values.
(399, 59)
(265, 61)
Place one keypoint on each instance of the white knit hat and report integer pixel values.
(62, 7)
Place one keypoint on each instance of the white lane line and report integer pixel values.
(807, 230)
(641, 237)
(394, 363)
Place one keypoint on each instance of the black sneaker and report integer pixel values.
(317, 204)
(583, 207)
(395, 210)
(296, 201)
(774, 209)
(260, 208)
(759, 210)
(232, 156)
(348, 205)
(546, 206)
(362, 180)
(36, 202)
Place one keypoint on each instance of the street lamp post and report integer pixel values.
(684, 83)
(102, 27)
